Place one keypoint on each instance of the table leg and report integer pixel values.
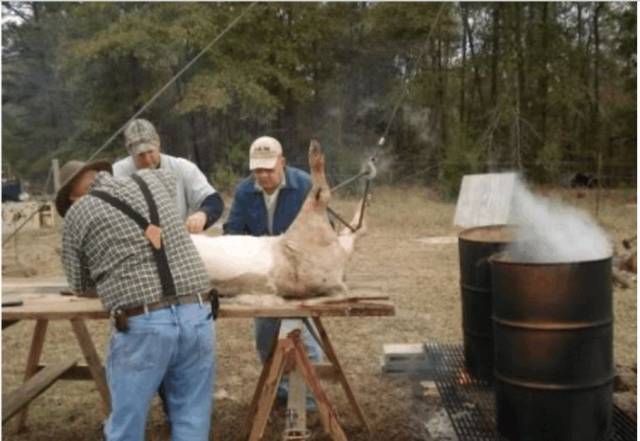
(333, 358)
(328, 415)
(253, 407)
(267, 392)
(93, 361)
(33, 359)
(7, 323)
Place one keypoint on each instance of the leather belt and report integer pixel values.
(165, 303)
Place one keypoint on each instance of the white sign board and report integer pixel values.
(485, 199)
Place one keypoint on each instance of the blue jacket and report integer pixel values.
(248, 213)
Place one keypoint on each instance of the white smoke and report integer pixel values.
(548, 231)
(419, 120)
(382, 160)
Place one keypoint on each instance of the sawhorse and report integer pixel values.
(289, 354)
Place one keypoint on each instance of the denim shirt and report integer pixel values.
(248, 214)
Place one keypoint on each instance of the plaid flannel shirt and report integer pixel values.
(105, 250)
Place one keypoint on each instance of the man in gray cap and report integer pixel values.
(198, 202)
(124, 239)
(266, 204)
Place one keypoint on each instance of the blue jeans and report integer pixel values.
(266, 335)
(174, 346)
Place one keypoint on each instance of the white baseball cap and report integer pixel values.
(264, 153)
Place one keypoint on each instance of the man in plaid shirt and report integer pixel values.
(163, 328)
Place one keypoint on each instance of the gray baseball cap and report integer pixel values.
(140, 136)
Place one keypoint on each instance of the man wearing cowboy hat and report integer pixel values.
(124, 238)
(198, 202)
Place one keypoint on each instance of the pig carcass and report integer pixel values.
(307, 261)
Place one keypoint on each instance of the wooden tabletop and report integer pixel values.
(59, 307)
(42, 300)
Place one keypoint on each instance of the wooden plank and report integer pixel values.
(28, 289)
(19, 398)
(328, 415)
(50, 307)
(93, 361)
(333, 358)
(267, 393)
(264, 373)
(36, 284)
(11, 300)
(77, 372)
(7, 323)
(54, 307)
(33, 359)
(296, 311)
(34, 281)
(326, 371)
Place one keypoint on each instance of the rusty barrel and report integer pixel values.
(475, 246)
(553, 339)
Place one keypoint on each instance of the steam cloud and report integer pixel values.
(550, 232)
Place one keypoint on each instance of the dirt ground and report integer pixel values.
(421, 278)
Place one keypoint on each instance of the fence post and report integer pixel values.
(55, 166)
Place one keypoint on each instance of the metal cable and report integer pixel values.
(405, 89)
(173, 79)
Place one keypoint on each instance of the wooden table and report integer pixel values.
(43, 307)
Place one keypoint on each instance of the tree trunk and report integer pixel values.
(520, 82)
(495, 53)
(463, 67)
(543, 85)
(595, 115)
(474, 62)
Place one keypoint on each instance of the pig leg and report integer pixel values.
(309, 260)
(320, 194)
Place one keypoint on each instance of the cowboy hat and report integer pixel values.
(68, 173)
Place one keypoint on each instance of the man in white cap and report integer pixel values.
(266, 204)
(124, 239)
(198, 202)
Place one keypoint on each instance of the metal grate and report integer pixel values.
(470, 402)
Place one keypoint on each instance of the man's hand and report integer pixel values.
(195, 222)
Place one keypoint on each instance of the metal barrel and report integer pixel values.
(553, 337)
(475, 246)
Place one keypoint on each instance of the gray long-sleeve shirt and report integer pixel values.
(192, 186)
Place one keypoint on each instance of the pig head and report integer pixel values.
(308, 260)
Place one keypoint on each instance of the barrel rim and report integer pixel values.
(499, 259)
(485, 227)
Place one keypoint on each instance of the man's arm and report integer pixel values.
(213, 206)
(196, 185)
(201, 197)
